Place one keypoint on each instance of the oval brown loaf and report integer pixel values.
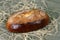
(27, 21)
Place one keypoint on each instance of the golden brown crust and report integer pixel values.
(28, 17)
